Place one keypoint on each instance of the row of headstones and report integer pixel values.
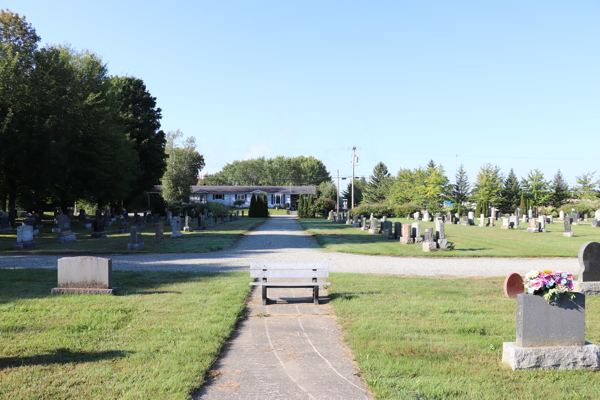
(406, 233)
(202, 222)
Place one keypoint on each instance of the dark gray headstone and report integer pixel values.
(589, 262)
(567, 225)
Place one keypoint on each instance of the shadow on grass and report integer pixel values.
(351, 296)
(480, 249)
(61, 356)
(17, 284)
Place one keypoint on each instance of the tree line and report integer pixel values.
(68, 130)
(428, 187)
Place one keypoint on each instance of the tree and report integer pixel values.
(586, 185)
(559, 190)
(359, 187)
(462, 189)
(407, 187)
(278, 171)
(379, 185)
(488, 184)
(184, 164)
(435, 186)
(511, 194)
(18, 45)
(431, 164)
(138, 113)
(536, 188)
(327, 190)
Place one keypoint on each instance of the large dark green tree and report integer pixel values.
(379, 186)
(559, 190)
(510, 196)
(462, 189)
(140, 117)
(18, 44)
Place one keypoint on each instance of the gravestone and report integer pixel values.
(397, 230)
(471, 219)
(585, 217)
(426, 216)
(492, 221)
(107, 219)
(465, 220)
(597, 215)
(186, 226)
(481, 220)
(514, 222)
(568, 231)
(84, 275)
(363, 223)
(136, 242)
(168, 217)
(428, 244)
(373, 227)
(533, 227)
(5, 222)
(388, 229)
(588, 281)
(24, 238)
(561, 214)
(542, 224)
(595, 223)
(505, 223)
(176, 224)
(66, 234)
(406, 237)
(98, 226)
(159, 236)
(530, 213)
(82, 216)
(448, 219)
(155, 219)
(439, 230)
(550, 336)
(416, 215)
(513, 285)
(139, 222)
(149, 217)
(416, 232)
(122, 226)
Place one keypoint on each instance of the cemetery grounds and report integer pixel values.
(469, 241)
(215, 238)
(413, 337)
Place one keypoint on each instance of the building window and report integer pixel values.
(277, 199)
(196, 198)
(240, 197)
(218, 197)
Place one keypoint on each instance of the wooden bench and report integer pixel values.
(309, 272)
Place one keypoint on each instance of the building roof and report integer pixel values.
(247, 189)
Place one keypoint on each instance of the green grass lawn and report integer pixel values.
(155, 340)
(469, 241)
(218, 237)
(423, 338)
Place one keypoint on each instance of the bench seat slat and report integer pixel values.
(289, 266)
(288, 274)
(289, 284)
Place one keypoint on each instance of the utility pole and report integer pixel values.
(338, 192)
(354, 160)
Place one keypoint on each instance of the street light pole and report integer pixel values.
(338, 192)
(353, 164)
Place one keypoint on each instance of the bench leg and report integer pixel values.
(264, 295)
(316, 295)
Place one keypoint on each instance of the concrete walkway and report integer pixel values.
(290, 349)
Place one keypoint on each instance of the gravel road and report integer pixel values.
(281, 239)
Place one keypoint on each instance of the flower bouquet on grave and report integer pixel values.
(553, 285)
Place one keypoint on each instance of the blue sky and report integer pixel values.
(512, 83)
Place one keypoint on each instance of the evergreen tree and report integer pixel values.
(522, 203)
(559, 190)
(300, 206)
(511, 193)
(462, 188)
(309, 207)
(379, 185)
(431, 164)
(252, 207)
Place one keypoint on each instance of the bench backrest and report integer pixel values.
(289, 270)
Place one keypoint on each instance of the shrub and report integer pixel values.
(323, 206)
(583, 206)
(258, 207)
(378, 210)
(407, 209)
(286, 205)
